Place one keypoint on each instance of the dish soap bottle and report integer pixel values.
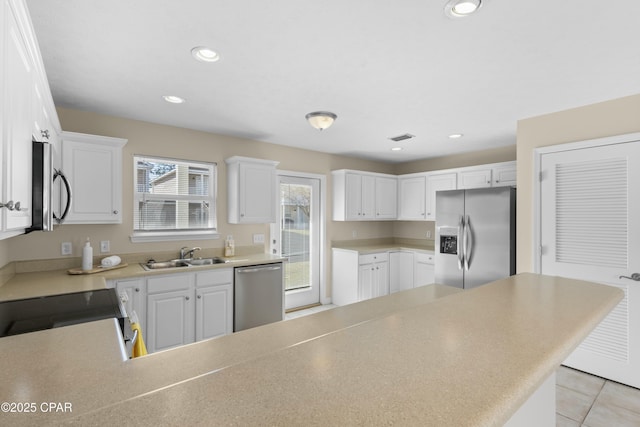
(229, 247)
(87, 256)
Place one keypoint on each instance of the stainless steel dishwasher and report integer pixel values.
(258, 295)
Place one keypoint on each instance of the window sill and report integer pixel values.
(166, 236)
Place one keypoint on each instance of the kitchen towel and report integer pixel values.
(110, 261)
(139, 349)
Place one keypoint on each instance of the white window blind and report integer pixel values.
(173, 195)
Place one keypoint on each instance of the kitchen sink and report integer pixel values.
(180, 263)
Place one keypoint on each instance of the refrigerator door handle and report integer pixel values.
(460, 242)
(468, 243)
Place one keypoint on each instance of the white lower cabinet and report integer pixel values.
(358, 277)
(214, 304)
(401, 271)
(178, 309)
(423, 269)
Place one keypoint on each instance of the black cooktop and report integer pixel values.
(36, 314)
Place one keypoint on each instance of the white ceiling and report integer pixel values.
(384, 67)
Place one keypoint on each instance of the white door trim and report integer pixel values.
(538, 153)
(323, 227)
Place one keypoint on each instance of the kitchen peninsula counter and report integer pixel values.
(428, 356)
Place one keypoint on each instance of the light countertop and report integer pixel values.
(366, 248)
(43, 283)
(429, 356)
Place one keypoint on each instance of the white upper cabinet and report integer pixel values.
(438, 182)
(412, 193)
(417, 191)
(361, 196)
(504, 175)
(93, 166)
(251, 190)
(386, 197)
(474, 178)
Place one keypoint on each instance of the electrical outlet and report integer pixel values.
(258, 238)
(354, 233)
(428, 234)
(104, 246)
(66, 248)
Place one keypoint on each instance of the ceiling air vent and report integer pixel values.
(402, 137)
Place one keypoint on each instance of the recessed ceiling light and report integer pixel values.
(456, 135)
(461, 8)
(204, 54)
(173, 99)
(396, 149)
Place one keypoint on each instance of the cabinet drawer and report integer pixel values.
(370, 258)
(214, 277)
(176, 282)
(424, 258)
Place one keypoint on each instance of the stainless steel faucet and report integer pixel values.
(186, 253)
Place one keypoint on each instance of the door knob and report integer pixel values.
(634, 276)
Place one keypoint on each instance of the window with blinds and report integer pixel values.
(173, 195)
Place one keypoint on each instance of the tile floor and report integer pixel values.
(582, 400)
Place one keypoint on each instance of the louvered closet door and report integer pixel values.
(590, 229)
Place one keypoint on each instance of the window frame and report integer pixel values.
(141, 236)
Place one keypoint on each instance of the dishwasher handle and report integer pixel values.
(255, 270)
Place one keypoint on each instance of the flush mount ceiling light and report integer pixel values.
(173, 99)
(204, 54)
(461, 8)
(396, 149)
(321, 119)
(455, 136)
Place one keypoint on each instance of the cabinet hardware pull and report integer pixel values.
(187, 298)
(634, 276)
(199, 296)
(45, 133)
(16, 206)
(137, 289)
(8, 205)
(115, 212)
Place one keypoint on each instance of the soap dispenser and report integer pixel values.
(87, 256)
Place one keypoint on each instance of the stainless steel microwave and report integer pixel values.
(44, 176)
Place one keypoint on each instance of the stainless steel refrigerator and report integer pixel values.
(475, 236)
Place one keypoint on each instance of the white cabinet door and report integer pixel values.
(170, 311)
(366, 273)
(368, 197)
(214, 311)
(251, 190)
(353, 196)
(424, 269)
(214, 303)
(474, 178)
(386, 197)
(170, 320)
(93, 165)
(504, 175)
(381, 279)
(132, 293)
(435, 183)
(17, 122)
(411, 198)
(400, 271)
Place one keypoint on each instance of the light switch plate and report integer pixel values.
(104, 246)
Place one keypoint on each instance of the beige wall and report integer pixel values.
(615, 117)
(167, 141)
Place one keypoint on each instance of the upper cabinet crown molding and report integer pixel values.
(251, 190)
